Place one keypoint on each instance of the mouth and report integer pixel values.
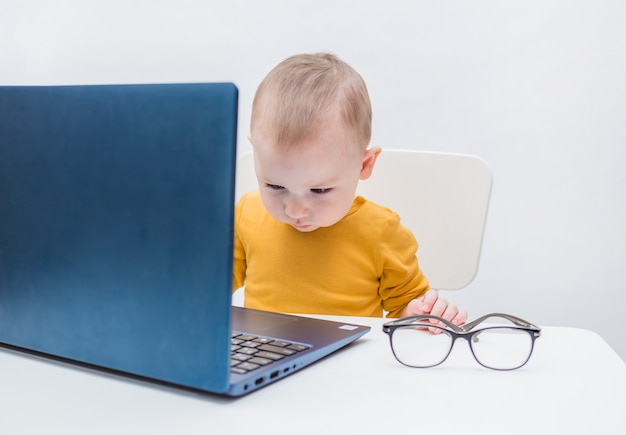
(300, 226)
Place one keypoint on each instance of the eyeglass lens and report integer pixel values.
(498, 348)
(502, 348)
(417, 347)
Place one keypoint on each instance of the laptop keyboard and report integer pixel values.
(249, 352)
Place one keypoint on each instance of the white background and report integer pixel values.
(535, 88)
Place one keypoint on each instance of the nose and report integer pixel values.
(297, 208)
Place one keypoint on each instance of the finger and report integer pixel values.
(453, 314)
(450, 312)
(439, 307)
(460, 318)
(429, 300)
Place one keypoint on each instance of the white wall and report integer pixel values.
(536, 88)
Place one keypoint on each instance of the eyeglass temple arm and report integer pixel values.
(515, 320)
(466, 327)
(411, 321)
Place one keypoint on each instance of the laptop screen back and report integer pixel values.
(116, 211)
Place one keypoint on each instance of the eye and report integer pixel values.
(274, 186)
(322, 191)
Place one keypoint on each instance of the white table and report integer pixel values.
(574, 383)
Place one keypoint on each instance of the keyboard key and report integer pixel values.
(241, 357)
(248, 366)
(270, 355)
(280, 343)
(260, 361)
(250, 344)
(247, 350)
(278, 350)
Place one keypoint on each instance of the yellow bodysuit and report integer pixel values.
(363, 265)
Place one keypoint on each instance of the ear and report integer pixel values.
(369, 160)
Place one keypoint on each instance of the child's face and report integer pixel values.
(313, 184)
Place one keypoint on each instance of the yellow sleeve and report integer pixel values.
(402, 279)
(239, 256)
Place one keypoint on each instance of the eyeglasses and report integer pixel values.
(499, 347)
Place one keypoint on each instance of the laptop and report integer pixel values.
(116, 239)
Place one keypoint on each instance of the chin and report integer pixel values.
(305, 228)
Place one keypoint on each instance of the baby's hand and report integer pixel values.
(431, 303)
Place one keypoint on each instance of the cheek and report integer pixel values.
(272, 204)
(337, 209)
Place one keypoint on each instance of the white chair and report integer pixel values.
(442, 197)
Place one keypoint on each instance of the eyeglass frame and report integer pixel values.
(465, 331)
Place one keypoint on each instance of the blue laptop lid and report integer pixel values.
(116, 226)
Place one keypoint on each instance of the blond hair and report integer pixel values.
(294, 98)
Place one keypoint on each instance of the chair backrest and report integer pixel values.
(442, 197)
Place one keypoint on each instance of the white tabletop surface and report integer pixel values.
(574, 384)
